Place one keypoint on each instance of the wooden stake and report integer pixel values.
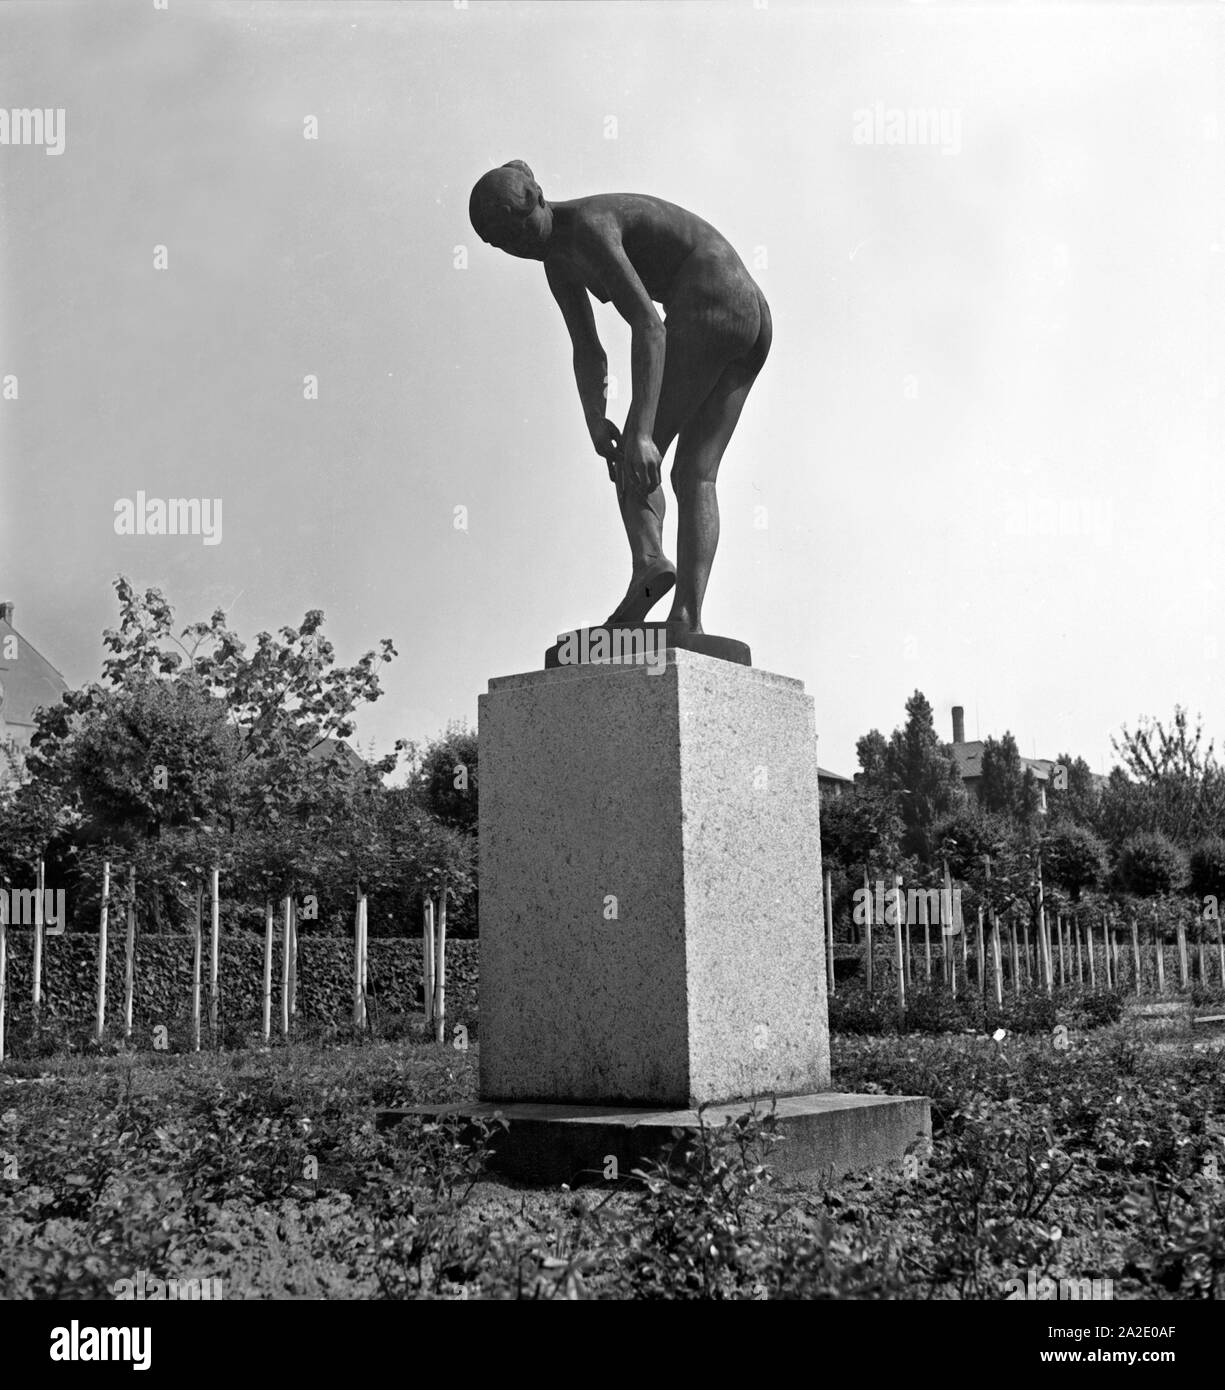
(427, 958)
(214, 956)
(359, 1010)
(1135, 955)
(440, 968)
(1106, 950)
(287, 905)
(1183, 979)
(1080, 969)
(129, 958)
(982, 976)
(100, 1020)
(363, 973)
(4, 966)
(904, 916)
(269, 932)
(995, 958)
(1089, 953)
(1016, 956)
(40, 879)
(1220, 952)
(1063, 973)
(829, 927)
(196, 958)
(901, 963)
(869, 963)
(293, 962)
(1044, 945)
(1159, 946)
(1029, 964)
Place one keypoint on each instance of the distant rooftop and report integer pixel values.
(27, 679)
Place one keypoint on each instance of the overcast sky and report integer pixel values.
(988, 440)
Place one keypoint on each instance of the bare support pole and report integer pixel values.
(129, 958)
(214, 954)
(100, 1020)
(196, 958)
(440, 969)
(269, 933)
(40, 880)
(829, 927)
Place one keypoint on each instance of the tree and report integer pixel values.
(917, 769)
(1073, 859)
(1207, 869)
(1078, 801)
(1181, 781)
(1151, 865)
(446, 777)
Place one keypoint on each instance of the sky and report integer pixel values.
(984, 459)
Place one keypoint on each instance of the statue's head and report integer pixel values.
(508, 210)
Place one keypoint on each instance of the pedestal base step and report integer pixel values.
(643, 644)
(825, 1134)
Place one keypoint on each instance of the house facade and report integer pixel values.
(28, 681)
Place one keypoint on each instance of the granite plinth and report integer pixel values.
(651, 928)
(824, 1135)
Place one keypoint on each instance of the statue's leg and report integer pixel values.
(691, 368)
(695, 469)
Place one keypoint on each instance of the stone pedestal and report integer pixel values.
(651, 924)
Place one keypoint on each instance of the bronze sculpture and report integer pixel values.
(690, 375)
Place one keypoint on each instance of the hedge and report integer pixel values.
(163, 980)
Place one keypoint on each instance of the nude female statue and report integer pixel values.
(690, 376)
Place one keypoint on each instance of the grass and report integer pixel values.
(1092, 1156)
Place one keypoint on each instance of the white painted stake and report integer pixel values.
(440, 968)
(269, 932)
(196, 957)
(829, 927)
(359, 1020)
(4, 962)
(100, 1027)
(285, 946)
(427, 958)
(39, 883)
(129, 958)
(214, 952)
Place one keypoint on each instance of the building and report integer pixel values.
(969, 757)
(28, 681)
(832, 783)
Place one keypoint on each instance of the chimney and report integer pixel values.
(959, 724)
(6, 611)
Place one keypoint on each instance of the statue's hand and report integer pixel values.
(606, 438)
(640, 467)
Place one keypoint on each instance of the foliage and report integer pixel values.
(1151, 865)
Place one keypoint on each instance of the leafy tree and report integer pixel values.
(1151, 865)
(1073, 859)
(860, 830)
(1207, 869)
(1180, 781)
(917, 769)
(446, 777)
(1078, 801)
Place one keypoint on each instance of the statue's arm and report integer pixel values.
(590, 360)
(600, 246)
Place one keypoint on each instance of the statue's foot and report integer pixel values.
(683, 627)
(645, 591)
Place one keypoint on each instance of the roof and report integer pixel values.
(338, 751)
(27, 681)
(969, 759)
(825, 775)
